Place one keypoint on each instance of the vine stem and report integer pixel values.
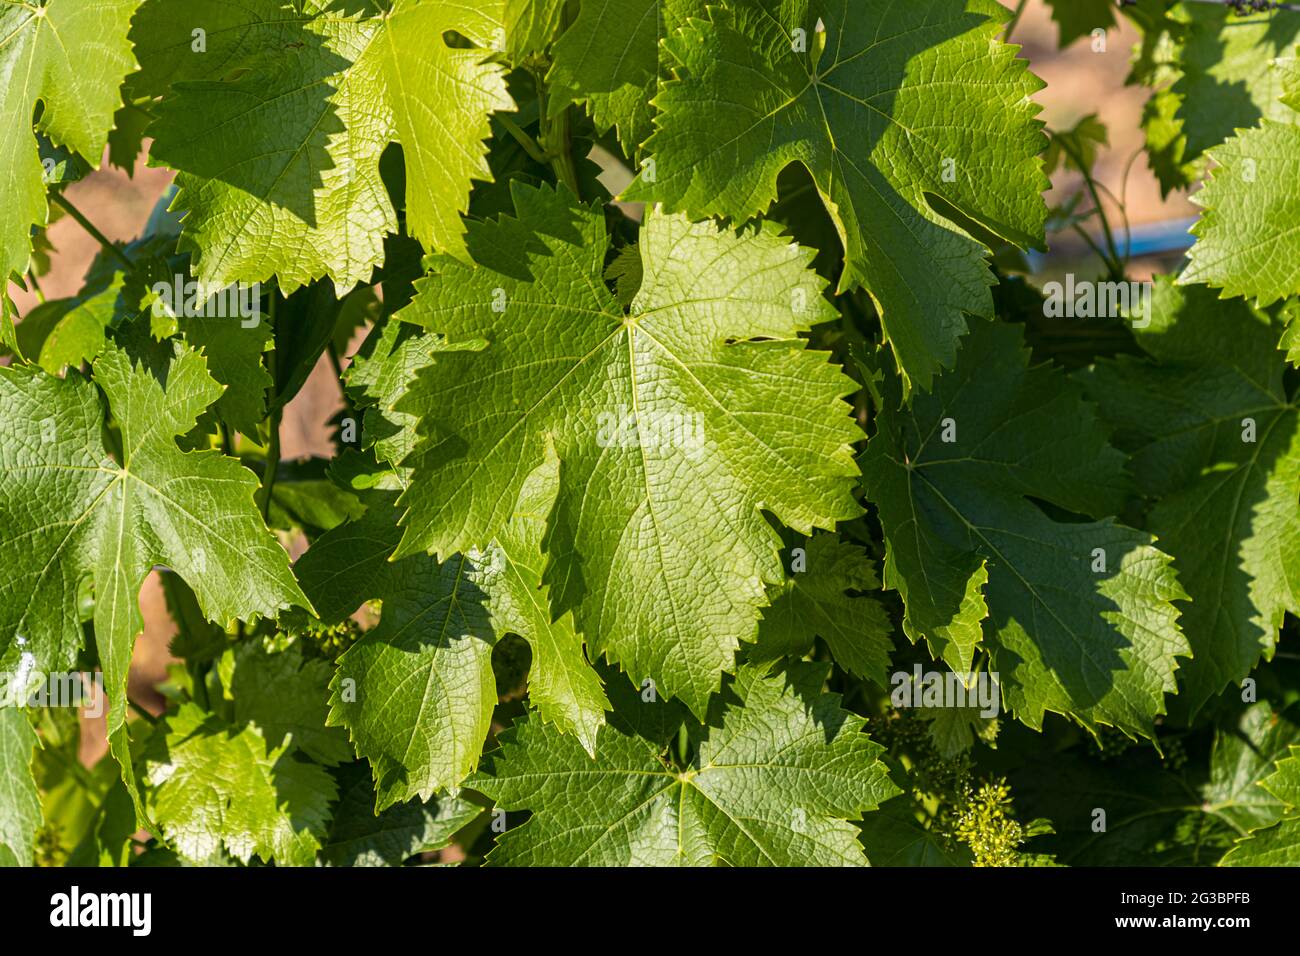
(336, 362)
(63, 202)
(523, 139)
(273, 442)
(36, 286)
(1113, 263)
(272, 463)
(1015, 18)
(141, 712)
(556, 132)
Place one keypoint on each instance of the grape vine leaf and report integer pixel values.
(287, 696)
(609, 59)
(359, 836)
(1245, 238)
(70, 56)
(329, 97)
(1157, 817)
(423, 679)
(1079, 619)
(673, 426)
(1279, 844)
(71, 514)
(1225, 78)
(888, 106)
(892, 836)
(561, 683)
(416, 691)
(212, 785)
(814, 602)
(232, 340)
(530, 26)
(1224, 506)
(1078, 18)
(1290, 343)
(20, 803)
(774, 781)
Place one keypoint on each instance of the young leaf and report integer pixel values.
(773, 782)
(531, 25)
(813, 602)
(887, 105)
(1079, 614)
(1215, 440)
(673, 423)
(287, 697)
(214, 786)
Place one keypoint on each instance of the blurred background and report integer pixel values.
(1081, 81)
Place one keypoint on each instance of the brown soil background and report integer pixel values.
(1079, 81)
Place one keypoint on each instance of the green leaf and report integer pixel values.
(20, 804)
(814, 602)
(1155, 817)
(609, 60)
(1245, 239)
(673, 425)
(304, 105)
(70, 514)
(43, 58)
(1227, 78)
(889, 106)
(1244, 786)
(66, 332)
(214, 786)
(531, 25)
(359, 836)
(287, 697)
(1079, 619)
(954, 730)
(773, 782)
(1284, 782)
(415, 692)
(1278, 845)
(438, 624)
(232, 343)
(561, 683)
(892, 836)
(1224, 507)
(1078, 18)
